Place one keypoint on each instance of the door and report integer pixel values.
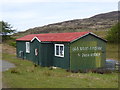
(35, 50)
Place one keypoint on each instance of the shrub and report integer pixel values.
(113, 34)
(12, 44)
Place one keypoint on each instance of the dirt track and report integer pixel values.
(5, 49)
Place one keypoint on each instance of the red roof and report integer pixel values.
(64, 37)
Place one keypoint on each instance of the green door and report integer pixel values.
(35, 52)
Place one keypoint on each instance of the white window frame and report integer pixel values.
(59, 50)
(27, 47)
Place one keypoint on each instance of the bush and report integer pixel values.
(113, 34)
(12, 44)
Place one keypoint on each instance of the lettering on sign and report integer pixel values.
(83, 54)
(86, 48)
(89, 54)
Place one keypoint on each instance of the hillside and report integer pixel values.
(100, 22)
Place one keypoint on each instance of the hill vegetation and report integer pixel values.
(113, 34)
(98, 23)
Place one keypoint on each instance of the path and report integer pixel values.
(6, 65)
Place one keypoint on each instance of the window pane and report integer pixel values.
(57, 50)
(27, 47)
(61, 50)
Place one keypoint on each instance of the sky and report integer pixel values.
(25, 14)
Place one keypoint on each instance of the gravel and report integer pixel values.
(6, 65)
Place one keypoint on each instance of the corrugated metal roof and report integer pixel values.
(56, 37)
(64, 37)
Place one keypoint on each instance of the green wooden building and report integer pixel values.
(72, 51)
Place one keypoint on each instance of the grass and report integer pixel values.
(101, 33)
(112, 51)
(26, 75)
(111, 48)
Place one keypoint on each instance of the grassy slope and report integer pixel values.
(28, 76)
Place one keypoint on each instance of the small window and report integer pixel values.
(20, 53)
(27, 47)
(36, 52)
(59, 50)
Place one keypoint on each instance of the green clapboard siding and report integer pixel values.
(62, 62)
(83, 56)
(36, 58)
(20, 45)
(78, 55)
(47, 54)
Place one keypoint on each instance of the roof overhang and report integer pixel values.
(35, 38)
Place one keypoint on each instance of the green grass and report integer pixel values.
(101, 33)
(26, 75)
(111, 48)
(112, 51)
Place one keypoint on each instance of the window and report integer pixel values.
(59, 50)
(20, 53)
(27, 47)
(36, 52)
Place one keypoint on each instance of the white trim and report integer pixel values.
(88, 34)
(35, 38)
(79, 37)
(59, 50)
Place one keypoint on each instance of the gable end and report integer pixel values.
(35, 38)
(90, 33)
